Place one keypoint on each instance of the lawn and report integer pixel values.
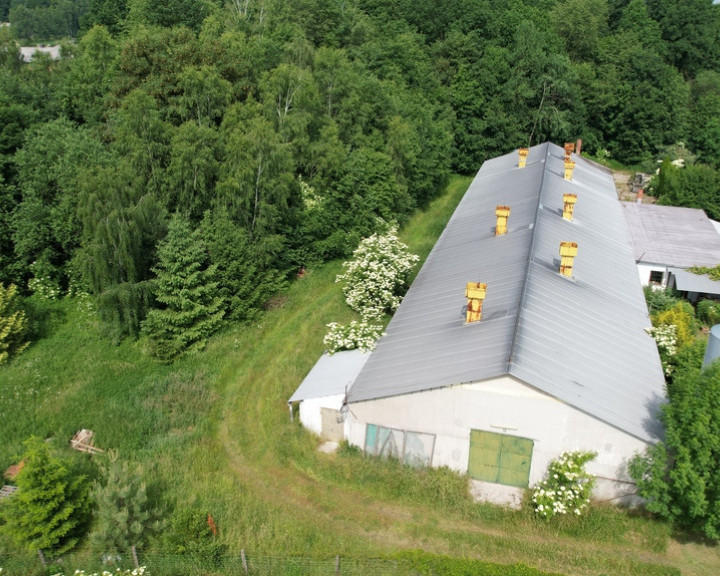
(213, 434)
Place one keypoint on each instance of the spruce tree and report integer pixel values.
(49, 512)
(192, 309)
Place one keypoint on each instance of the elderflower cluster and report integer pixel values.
(665, 336)
(378, 274)
(41, 284)
(566, 487)
(350, 336)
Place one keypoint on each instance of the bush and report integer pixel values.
(566, 487)
(708, 312)
(377, 277)
(681, 315)
(351, 336)
(659, 300)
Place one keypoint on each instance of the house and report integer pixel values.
(523, 336)
(667, 240)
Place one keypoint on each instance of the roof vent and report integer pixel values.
(502, 213)
(569, 201)
(568, 251)
(522, 157)
(569, 169)
(569, 149)
(475, 293)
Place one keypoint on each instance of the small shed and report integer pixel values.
(321, 395)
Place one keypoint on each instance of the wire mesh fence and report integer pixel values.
(184, 565)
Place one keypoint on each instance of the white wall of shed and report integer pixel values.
(644, 273)
(504, 406)
(310, 413)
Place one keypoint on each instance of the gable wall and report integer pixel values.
(503, 405)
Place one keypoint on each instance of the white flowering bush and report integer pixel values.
(42, 284)
(136, 572)
(566, 488)
(666, 339)
(377, 277)
(360, 335)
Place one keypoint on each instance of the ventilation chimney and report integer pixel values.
(502, 213)
(522, 157)
(568, 251)
(569, 168)
(569, 149)
(475, 293)
(569, 201)
(578, 147)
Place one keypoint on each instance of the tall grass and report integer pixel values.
(213, 434)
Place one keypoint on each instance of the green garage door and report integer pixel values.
(500, 458)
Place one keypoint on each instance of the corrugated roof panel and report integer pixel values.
(332, 375)
(672, 236)
(581, 340)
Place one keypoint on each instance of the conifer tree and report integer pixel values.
(49, 512)
(124, 515)
(13, 323)
(192, 307)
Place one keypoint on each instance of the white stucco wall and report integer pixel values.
(503, 406)
(644, 273)
(310, 415)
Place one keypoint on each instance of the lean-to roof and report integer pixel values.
(580, 339)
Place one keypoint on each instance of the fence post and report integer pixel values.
(42, 558)
(244, 560)
(337, 565)
(135, 558)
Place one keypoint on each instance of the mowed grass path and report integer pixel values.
(213, 432)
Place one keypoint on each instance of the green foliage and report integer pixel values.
(694, 186)
(566, 487)
(679, 477)
(124, 516)
(50, 510)
(708, 312)
(659, 300)
(194, 533)
(244, 278)
(13, 323)
(185, 286)
(713, 273)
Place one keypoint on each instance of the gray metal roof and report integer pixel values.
(672, 236)
(581, 340)
(332, 375)
(689, 282)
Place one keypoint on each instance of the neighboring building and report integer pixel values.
(667, 240)
(28, 52)
(556, 361)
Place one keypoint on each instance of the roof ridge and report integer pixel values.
(531, 252)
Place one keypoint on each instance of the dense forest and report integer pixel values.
(206, 151)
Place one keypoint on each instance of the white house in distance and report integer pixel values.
(667, 240)
(555, 362)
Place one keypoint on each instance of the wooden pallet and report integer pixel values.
(84, 442)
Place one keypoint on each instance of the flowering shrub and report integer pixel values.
(665, 336)
(377, 276)
(136, 572)
(350, 336)
(42, 284)
(566, 487)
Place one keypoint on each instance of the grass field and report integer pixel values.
(212, 433)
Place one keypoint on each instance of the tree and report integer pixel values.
(13, 323)
(186, 288)
(124, 515)
(50, 510)
(679, 477)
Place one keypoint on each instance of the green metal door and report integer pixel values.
(500, 458)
